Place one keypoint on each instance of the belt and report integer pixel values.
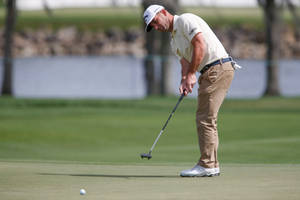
(217, 62)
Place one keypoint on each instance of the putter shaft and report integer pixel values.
(165, 125)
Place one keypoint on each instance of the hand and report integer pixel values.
(191, 81)
(182, 88)
(187, 83)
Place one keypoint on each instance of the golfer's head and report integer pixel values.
(155, 16)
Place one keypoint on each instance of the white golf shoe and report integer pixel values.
(199, 171)
(217, 171)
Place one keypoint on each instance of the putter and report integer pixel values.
(148, 155)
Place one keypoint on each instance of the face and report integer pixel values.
(160, 22)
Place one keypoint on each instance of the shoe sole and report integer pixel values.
(216, 174)
(210, 175)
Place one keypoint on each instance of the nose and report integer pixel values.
(155, 27)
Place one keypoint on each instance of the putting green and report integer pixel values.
(33, 180)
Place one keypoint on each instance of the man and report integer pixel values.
(198, 49)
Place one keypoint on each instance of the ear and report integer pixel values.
(164, 12)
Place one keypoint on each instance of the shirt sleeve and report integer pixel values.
(190, 27)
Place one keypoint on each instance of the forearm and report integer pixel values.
(184, 68)
(198, 53)
(187, 80)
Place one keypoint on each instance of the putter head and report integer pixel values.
(146, 155)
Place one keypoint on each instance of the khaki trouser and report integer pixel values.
(213, 87)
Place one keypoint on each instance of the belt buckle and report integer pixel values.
(221, 61)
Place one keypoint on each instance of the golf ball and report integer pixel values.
(82, 191)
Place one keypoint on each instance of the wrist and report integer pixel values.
(191, 73)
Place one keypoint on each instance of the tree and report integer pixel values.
(296, 17)
(47, 9)
(158, 46)
(272, 14)
(11, 14)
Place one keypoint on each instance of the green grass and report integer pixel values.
(117, 131)
(126, 18)
(48, 181)
(50, 149)
(82, 18)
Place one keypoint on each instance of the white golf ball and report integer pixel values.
(82, 191)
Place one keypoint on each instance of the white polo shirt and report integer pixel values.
(185, 27)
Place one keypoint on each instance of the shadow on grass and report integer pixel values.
(109, 175)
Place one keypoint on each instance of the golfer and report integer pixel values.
(198, 49)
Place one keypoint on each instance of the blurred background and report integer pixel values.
(81, 81)
(98, 48)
